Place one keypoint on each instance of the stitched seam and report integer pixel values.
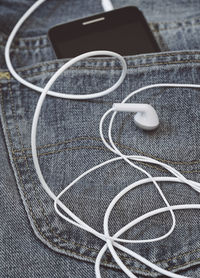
(175, 27)
(174, 267)
(160, 159)
(43, 211)
(74, 243)
(56, 63)
(36, 225)
(123, 257)
(3, 112)
(98, 139)
(165, 171)
(60, 143)
(29, 48)
(4, 75)
(183, 254)
(33, 217)
(25, 158)
(111, 68)
(34, 186)
(65, 149)
(102, 148)
(176, 22)
(29, 205)
(42, 234)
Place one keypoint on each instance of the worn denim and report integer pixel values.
(34, 240)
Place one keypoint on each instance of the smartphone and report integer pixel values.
(123, 30)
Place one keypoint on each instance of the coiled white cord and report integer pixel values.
(111, 241)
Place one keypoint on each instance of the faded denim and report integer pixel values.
(34, 241)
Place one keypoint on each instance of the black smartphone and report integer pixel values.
(124, 31)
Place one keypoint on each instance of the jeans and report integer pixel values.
(34, 240)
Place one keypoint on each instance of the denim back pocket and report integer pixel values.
(69, 144)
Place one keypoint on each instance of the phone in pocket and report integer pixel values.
(124, 31)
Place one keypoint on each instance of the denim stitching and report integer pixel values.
(122, 257)
(56, 63)
(34, 186)
(116, 68)
(74, 243)
(43, 211)
(25, 158)
(29, 48)
(83, 245)
(60, 143)
(31, 212)
(33, 216)
(176, 27)
(179, 25)
(183, 254)
(64, 149)
(102, 148)
(178, 22)
(174, 267)
(4, 75)
(98, 139)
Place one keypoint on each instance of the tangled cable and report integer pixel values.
(111, 241)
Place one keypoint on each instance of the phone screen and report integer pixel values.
(126, 33)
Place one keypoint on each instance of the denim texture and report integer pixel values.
(34, 241)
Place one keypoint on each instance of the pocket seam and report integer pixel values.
(96, 139)
(109, 68)
(33, 217)
(102, 148)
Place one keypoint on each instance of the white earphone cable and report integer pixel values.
(111, 241)
(107, 5)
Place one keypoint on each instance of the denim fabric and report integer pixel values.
(35, 242)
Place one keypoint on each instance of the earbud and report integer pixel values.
(146, 116)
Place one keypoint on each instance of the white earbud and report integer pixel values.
(146, 116)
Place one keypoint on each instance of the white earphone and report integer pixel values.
(145, 118)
